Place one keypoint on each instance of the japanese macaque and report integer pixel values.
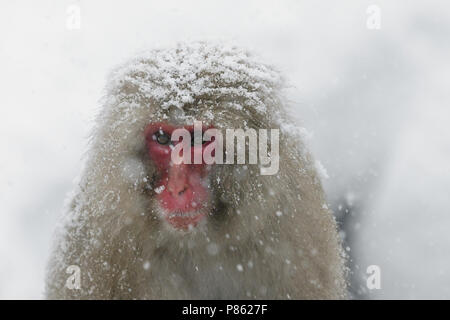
(140, 226)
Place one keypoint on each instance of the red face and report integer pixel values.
(182, 189)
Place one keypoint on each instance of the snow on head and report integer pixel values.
(189, 72)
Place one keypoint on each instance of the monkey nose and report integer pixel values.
(177, 183)
(177, 191)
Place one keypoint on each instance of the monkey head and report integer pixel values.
(147, 99)
(209, 230)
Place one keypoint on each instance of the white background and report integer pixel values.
(375, 101)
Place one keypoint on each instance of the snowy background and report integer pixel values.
(376, 101)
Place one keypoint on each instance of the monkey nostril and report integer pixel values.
(177, 191)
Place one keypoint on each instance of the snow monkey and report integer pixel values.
(139, 226)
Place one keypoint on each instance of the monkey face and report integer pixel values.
(182, 189)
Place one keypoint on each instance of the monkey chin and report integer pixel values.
(184, 221)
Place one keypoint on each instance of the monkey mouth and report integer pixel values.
(184, 220)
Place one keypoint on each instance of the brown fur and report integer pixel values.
(112, 228)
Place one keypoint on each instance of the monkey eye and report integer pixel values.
(162, 137)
